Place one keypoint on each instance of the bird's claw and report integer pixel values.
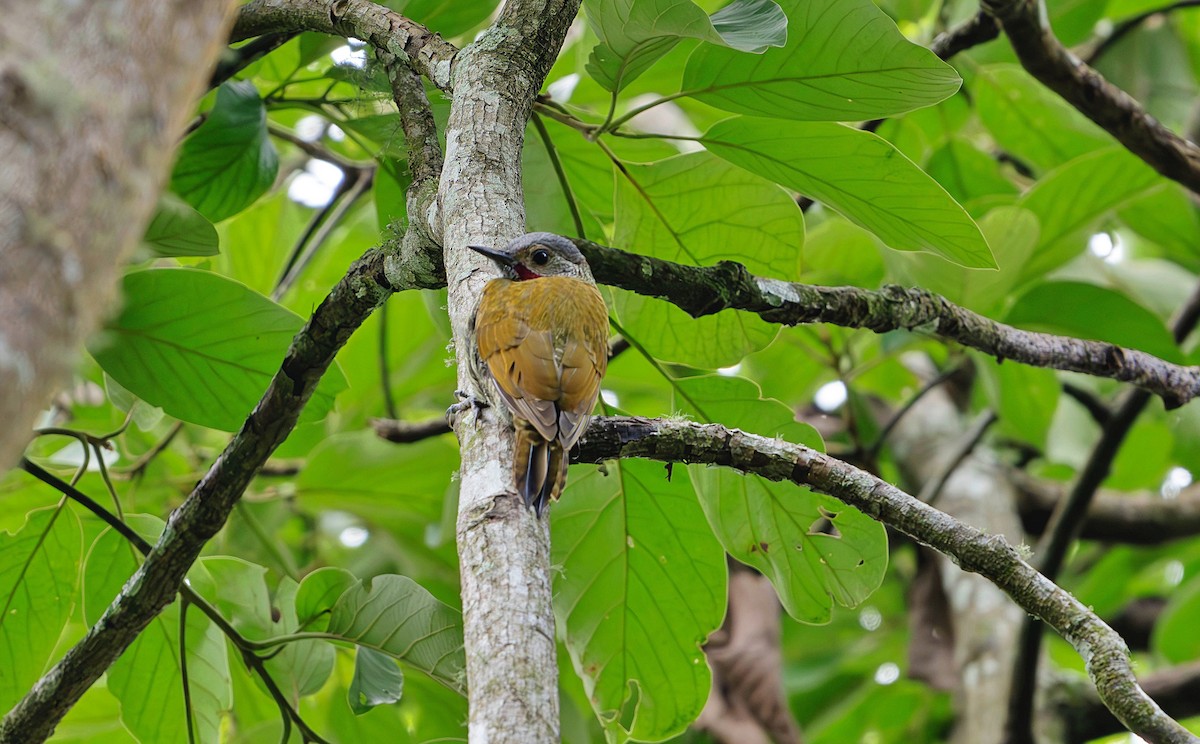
(466, 402)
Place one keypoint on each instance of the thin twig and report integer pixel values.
(1125, 27)
(873, 451)
(244, 645)
(563, 182)
(933, 489)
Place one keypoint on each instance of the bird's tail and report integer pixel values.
(539, 468)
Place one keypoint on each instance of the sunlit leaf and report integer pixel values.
(202, 347)
(861, 176)
(178, 230)
(698, 210)
(637, 33)
(39, 575)
(642, 584)
(844, 60)
(229, 161)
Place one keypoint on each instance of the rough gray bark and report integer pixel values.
(504, 550)
(93, 100)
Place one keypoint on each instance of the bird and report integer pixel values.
(542, 336)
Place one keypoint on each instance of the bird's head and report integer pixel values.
(538, 254)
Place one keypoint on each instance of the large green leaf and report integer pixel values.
(695, 209)
(642, 585)
(1071, 201)
(1030, 121)
(779, 528)
(1012, 232)
(202, 347)
(229, 161)
(39, 575)
(178, 230)
(393, 615)
(148, 677)
(1092, 312)
(860, 175)
(844, 60)
(635, 34)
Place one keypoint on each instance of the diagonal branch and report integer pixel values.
(1044, 56)
(703, 290)
(383, 28)
(1105, 654)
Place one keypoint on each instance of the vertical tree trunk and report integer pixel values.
(503, 549)
(93, 100)
(982, 620)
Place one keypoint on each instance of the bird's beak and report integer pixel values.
(499, 257)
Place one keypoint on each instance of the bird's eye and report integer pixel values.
(541, 256)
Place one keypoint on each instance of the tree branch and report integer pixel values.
(1044, 57)
(381, 27)
(728, 285)
(1148, 519)
(1177, 689)
(991, 556)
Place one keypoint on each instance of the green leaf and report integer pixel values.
(861, 176)
(642, 585)
(635, 34)
(1023, 397)
(318, 593)
(447, 19)
(1092, 312)
(1070, 202)
(697, 210)
(178, 230)
(202, 347)
(845, 60)
(39, 576)
(966, 172)
(1030, 121)
(1175, 635)
(1012, 232)
(398, 617)
(239, 590)
(1166, 216)
(229, 161)
(359, 472)
(148, 677)
(377, 681)
(779, 528)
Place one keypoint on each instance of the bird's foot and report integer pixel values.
(466, 402)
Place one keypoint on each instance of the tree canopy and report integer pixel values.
(896, 442)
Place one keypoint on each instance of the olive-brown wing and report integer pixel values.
(519, 354)
(584, 361)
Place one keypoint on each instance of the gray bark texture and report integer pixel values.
(93, 99)
(504, 550)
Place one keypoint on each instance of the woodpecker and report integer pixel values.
(542, 334)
